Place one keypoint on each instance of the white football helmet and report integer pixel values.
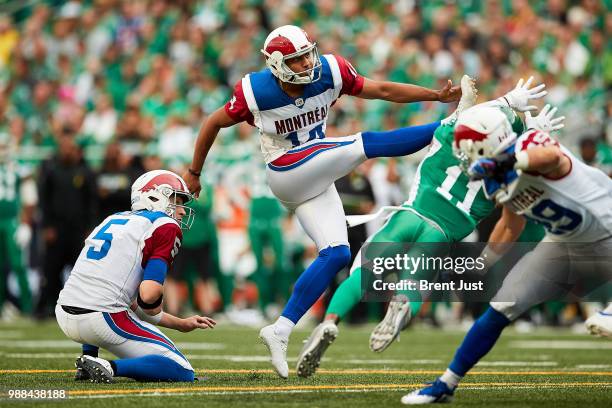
(157, 190)
(288, 42)
(482, 131)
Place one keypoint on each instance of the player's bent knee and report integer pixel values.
(508, 309)
(339, 255)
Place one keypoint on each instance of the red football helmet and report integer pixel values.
(157, 190)
(288, 42)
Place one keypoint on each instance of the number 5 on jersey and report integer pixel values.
(107, 237)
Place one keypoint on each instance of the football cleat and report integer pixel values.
(310, 357)
(469, 93)
(437, 391)
(396, 319)
(600, 324)
(98, 369)
(277, 347)
(81, 375)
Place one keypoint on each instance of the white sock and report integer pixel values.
(283, 327)
(451, 379)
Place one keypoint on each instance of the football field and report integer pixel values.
(547, 368)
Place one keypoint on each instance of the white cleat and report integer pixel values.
(277, 347)
(435, 392)
(98, 369)
(600, 324)
(310, 357)
(396, 319)
(469, 93)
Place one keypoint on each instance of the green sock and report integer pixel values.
(347, 295)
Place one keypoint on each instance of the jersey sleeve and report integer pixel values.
(237, 107)
(352, 82)
(163, 244)
(536, 138)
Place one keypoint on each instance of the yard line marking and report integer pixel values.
(593, 366)
(264, 359)
(69, 344)
(11, 334)
(561, 344)
(356, 390)
(517, 363)
(499, 385)
(353, 371)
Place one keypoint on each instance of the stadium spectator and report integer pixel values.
(114, 180)
(68, 205)
(100, 124)
(122, 71)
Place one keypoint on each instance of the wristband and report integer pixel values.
(194, 173)
(148, 306)
(490, 257)
(522, 160)
(153, 319)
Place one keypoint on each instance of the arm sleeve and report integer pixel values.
(237, 107)
(163, 244)
(534, 138)
(352, 82)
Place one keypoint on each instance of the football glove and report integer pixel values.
(519, 97)
(545, 121)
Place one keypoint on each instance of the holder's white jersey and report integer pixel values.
(109, 269)
(574, 208)
(285, 122)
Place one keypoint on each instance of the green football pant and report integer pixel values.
(403, 226)
(275, 283)
(11, 251)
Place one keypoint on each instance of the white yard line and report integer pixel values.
(562, 344)
(263, 359)
(517, 363)
(69, 344)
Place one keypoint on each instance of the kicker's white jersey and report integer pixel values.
(109, 269)
(574, 208)
(285, 122)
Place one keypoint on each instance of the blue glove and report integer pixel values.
(483, 168)
(496, 173)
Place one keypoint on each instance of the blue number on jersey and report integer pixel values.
(293, 136)
(556, 219)
(107, 237)
(314, 133)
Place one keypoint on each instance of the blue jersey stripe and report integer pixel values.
(176, 350)
(150, 215)
(269, 95)
(130, 336)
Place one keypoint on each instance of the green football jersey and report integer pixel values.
(9, 191)
(443, 193)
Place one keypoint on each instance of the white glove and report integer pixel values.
(23, 235)
(545, 121)
(519, 97)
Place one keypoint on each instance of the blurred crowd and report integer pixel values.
(95, 92)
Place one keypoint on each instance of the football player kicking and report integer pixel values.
(536, 178)
(289, 102)
(443, 206)
(113, 297)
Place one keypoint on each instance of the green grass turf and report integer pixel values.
(350, 352)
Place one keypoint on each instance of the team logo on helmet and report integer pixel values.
(481, 132)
